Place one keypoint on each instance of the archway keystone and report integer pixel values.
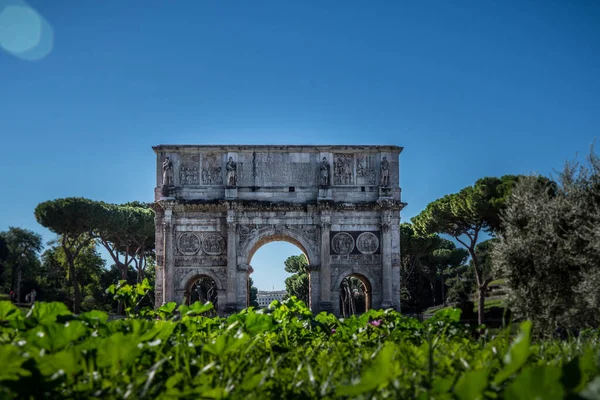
(216, 205)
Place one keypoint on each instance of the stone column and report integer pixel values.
(396, 284)
(168, 256)
(325, 272)
(231, 262)
(386, 258)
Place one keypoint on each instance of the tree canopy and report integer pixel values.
(550, 249)
(466, 215)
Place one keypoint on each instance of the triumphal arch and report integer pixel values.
(216, 205)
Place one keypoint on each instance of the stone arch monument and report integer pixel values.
(216, 205)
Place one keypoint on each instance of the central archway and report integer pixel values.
(292, 256)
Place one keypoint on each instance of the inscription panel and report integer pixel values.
(285, 169)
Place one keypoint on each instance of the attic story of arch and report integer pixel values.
(216, 205)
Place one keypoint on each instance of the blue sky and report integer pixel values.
(469, 88)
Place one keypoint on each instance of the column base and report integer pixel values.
(326, 306)
(231, 308)
(387, 304)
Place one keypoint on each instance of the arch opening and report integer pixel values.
(202, 288)
(279, 269)
(355, 295)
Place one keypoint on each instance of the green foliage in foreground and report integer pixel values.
(283, 352)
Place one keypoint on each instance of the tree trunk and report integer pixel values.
(75, 284)
(481, 308)
(443, 291)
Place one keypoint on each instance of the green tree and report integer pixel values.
(298, 284)
(550, 248)
(127, 233)
(21, 260)
(252, 294)
(73, 219)
(414, 248)
(466, 216)
(89, 267)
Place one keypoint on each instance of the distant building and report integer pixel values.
(265, 297)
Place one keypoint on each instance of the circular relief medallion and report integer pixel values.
(342, 243)
(213, 244)
(367, 243)
(188, 244)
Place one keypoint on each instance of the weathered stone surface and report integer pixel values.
(330, 201)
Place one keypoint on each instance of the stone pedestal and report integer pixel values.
(385, 192)
(231, 193)
(325, 193)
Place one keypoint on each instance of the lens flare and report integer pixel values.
(24, 32)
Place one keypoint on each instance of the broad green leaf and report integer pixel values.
(539, 382)
(10, 364)
(375, 376)
(517, 353)
(8, 311)
(46, 313)
(471, 385)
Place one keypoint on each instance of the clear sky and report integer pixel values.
(469, 88)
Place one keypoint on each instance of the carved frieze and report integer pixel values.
(366, 172)
(213, 244)
(188, 243)
(310, 233)
(342, 243)
(211, 170)
(356, 259)
(201, 259)
(367, 243)
(343, 173)
(180, 273)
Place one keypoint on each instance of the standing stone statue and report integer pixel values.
(231, 169)
(325, 175)
(167, 172)
(385, 172)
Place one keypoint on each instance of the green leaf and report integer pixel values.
(11, 361)
(377, 375)
(8, 311)
(539, 382)
(46, 313)
(517, 354)
(571, 374)
(471, 385)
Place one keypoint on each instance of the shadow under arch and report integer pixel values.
(186, 289)
(349, 293)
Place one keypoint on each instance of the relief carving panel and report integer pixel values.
(211, 170)
(342, 243)
(342, 169)
(188, 170)
(366, 170)
(367, 243)
(213, 244)
(188, 243)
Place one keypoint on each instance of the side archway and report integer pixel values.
(196, 286)
(370, 288)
